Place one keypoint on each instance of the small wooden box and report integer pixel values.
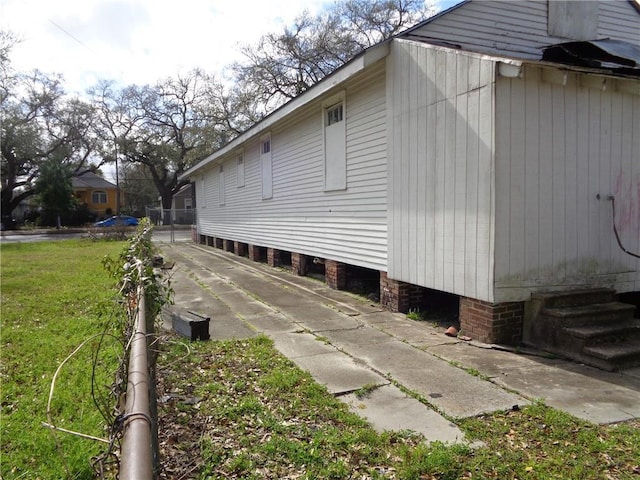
(192, 325)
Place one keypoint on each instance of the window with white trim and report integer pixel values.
(240, 169)
(335, 151)
(266, 166)
(99, 197)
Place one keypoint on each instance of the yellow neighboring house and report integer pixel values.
(98, 194)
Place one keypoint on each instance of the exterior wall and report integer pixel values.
(349, 225)
(85, 196)
(440, 170)
(519, 28)
(562, 141)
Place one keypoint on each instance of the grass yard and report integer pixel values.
(239, 409)
(55, 295)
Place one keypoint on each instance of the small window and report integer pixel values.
(266, 145)
(99, 198)
(240, 170)
(334, 114)
(188, 205)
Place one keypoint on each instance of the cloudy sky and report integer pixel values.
(140, 41)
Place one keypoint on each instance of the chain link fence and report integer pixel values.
(172, 217)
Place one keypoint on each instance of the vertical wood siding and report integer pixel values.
(348, 225)
(519, 28)
(560, 142)
(440, 117)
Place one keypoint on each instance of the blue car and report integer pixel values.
(122, 220)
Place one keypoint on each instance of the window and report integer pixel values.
(99, 198)
(188, 205)
(265, 162)
(334, 114)
(240, 169)
(221, 184)
(335, 152)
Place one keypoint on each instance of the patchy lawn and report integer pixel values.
(239, 409)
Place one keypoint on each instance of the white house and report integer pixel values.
(462, 156)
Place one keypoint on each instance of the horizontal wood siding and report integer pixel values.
(560, 142)
(440, 115)
(348, 225)
(519, 28)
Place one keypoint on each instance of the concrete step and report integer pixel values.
(614, 356)
(569, 298)
(603, 333)
(593, 314)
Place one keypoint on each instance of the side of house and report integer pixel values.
(313, 183)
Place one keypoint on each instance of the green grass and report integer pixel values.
(259, 416)
(55, 295)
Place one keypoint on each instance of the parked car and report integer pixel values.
(122, 220)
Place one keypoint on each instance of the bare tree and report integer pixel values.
(169, 126)
(283, 65)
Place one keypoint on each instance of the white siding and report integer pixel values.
(440, 117)
(560, 142)
(348, 225)
(519, 28)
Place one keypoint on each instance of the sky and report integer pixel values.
(140, 41)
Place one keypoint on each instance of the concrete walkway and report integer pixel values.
(370, 357)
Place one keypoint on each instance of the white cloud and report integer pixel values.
(138, 41)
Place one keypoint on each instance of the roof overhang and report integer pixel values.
(348, 70)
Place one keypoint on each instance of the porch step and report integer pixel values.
(572, 298)
(615, 356)
(591, 314)
(587, 326)
(608, 331)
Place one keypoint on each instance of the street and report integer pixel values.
(159, 235)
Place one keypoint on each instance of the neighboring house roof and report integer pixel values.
(90, 180)
(184, 191)
(516, 37)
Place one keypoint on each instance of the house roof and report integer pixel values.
(431, 31)
(90, 180)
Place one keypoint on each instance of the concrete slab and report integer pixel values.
(271, 323)
(491, 362)
(339, 372)
(363, 335)
(585, 392)
(296, 345)
(419, 334)
(450, 389)
(388, 408)
(319, 318)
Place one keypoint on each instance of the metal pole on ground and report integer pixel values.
(136, 462)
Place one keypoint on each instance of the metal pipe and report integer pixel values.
(136, 462)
